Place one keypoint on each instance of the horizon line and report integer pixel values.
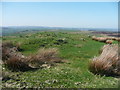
(59, 27)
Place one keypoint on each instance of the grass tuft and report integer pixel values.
(16, 64)
(45, 56)
(107, 63)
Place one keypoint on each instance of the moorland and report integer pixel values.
(75, 50)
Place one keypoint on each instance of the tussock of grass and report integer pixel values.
(13, 59)
(107, 63)
(16, 64)
(43, 56)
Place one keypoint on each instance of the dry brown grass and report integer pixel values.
(100, 39)
(109, 42)
(45, 56)
(94, 38)
(6, 50)
(117, 39)
(111, 38)
(9, 50)
(5, 54)
(108, 62)
(16, 64)
(14, 60)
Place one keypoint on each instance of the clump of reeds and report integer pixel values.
(108, 62)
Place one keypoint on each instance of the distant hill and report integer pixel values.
(16, 29)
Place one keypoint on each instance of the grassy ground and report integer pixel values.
(73, 74)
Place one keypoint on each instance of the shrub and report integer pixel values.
(108, 62)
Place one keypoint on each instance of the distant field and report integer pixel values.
(11, 30)
(76, 52)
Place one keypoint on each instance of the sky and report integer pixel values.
(61, 14)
